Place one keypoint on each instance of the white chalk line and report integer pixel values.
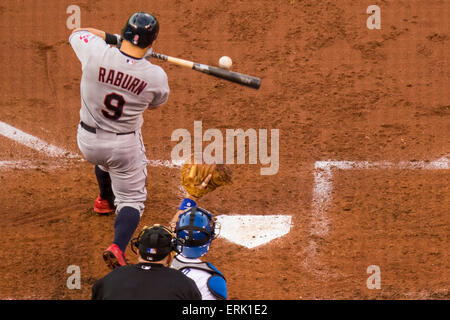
(40, 164)
(26, 165)
(33, 142)
(322, 196)
(52, 151)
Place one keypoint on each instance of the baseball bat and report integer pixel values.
(240, 78)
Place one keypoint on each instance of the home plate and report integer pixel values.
(253, 230)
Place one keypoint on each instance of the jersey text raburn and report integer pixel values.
(122, 80)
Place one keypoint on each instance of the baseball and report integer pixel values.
(225, 62)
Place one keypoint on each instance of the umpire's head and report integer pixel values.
(156, 244)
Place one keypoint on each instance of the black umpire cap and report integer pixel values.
(155, 243)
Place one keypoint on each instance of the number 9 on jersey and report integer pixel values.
(114, 103)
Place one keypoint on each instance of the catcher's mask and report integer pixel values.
(197, 228)
(141, 29)
(155, 243)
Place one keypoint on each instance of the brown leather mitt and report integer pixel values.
(200, 179)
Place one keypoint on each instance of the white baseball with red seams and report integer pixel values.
(225, 62)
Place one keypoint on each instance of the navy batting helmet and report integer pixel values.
(141, 29)
(197, 228)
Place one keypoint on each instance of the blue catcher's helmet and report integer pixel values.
(141, 29)
(197, 227)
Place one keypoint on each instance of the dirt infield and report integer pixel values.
(336, 90)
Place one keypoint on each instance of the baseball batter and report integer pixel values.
(117, 86)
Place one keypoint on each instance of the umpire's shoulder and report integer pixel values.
(185, 284)
(175, 272)
(178, 275)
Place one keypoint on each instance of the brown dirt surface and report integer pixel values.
(336, 91)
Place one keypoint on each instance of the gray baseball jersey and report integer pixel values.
(115, 88)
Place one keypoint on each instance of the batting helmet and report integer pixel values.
(155, 243)
(141, 29)
(197, 228)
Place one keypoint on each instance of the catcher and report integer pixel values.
(198, 229)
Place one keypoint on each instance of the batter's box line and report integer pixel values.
(52, 151)
(322, 195)
(33, 142)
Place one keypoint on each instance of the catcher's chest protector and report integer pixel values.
(216, 282)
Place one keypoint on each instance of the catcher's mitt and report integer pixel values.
(200, 179)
